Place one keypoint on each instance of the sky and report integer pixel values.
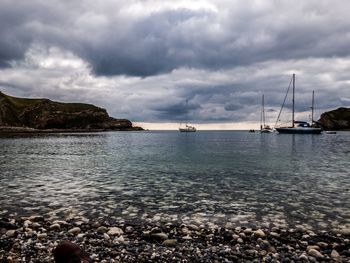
(142, 60)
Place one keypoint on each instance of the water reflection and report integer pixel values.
(208, 176)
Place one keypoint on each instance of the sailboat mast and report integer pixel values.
(293, 100)
(263, 111)
(312, 107)
(186, 112)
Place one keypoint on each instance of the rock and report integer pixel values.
(345, 232)
(67, 251)
(338, 119)
(272, 249)
(118, 240)
(159, 236)
(259, 233)
(41, 236)
(102, 230)
(170, 243)
(55, 226)
(322, 244)
(60, 222)
(274, 234)
(240, 241)
(335, 255)
(115, 231)
(39, 114)
(74, 231)
(106, 236)
(314, 253)
(36, 225)
(265, 245)
(26, 223)
(312, 247)
(11, 233)
(303, 258)
(248, 231)
(36, 218)
(193, 227)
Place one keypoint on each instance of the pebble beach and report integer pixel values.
(33, 238)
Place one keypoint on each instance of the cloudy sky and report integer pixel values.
(142, 60)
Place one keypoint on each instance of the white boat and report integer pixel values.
(298, 127)
(187, 128)
(264, 128)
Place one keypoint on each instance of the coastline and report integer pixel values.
(5, 129)
(33, 238)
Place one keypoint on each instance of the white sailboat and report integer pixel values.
(187, 128)
(298, 127)
(264, 128)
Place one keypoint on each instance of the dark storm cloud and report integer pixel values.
(143, 59)
(178, 112)
(115, 42)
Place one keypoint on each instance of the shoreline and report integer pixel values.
(4, 130)
(32, 239)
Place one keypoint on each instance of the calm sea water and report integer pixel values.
(208, 178)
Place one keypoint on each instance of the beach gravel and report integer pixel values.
(140, 241)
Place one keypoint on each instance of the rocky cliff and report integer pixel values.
(43, 114)
(338, 119)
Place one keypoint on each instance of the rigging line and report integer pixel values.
(285, 97)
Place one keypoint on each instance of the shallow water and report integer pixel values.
(204, 177)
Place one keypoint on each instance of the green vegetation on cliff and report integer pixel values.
(338, 119)
(46, 114)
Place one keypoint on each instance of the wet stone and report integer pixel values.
(74, 231)
(314, 253)
(170, 243)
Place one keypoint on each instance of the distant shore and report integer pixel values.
(5, 129)
(33, 238)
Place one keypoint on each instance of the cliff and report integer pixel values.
(338, 119)
(44, 114)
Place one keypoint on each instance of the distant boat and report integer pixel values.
(331, 132)
(298, 127)
(264, 128)
(187, 128)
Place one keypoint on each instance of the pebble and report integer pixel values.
(159, 236)
(102, 230)
(335, 254)
(55, 226)
(74, 231)
(259, 234)
(41, 236)
(11, 233)
(314, 253)
(115, 231)
(170, 243)
(120, 241)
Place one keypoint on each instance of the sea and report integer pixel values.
(214, 178)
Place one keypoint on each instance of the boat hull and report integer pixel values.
(186, 130)
(299, 130)
(266, 131)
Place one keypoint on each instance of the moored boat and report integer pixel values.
(187, 128)
(264, 128)
(299, 127)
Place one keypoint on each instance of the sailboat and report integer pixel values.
(298, 127)
(187, 128)
(264, 128)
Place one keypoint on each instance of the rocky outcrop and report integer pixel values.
(338, 119)
(44, 114)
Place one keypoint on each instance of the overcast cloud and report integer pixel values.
(143, 59)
